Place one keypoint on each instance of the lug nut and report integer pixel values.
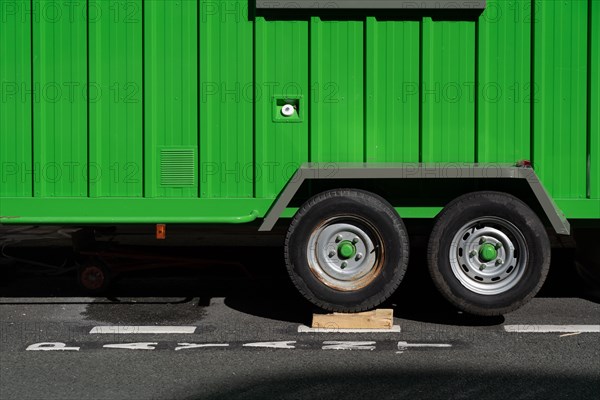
(473, 253)
(355, 240)
(331, 254)
(482, 267)
(498, 246)
(499, 261)
(482, 240)
(344, 265)
(338, 238)
(359, 256)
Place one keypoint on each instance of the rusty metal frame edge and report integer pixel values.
(416, 171)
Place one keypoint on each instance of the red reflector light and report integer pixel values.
(161, 231)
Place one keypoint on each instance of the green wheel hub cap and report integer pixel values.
(487, 252)
(346, 250)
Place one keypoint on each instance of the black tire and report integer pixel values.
(513, 277)
(373, 223)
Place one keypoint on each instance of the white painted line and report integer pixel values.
(272, 345)
(50, 346)
(341, 345)
(438, 345)
(124, 330)
(552, 328)
(132, 346)
(306, 329)
(570, 334)
(185, 346)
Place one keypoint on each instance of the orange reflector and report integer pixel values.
(161, 231)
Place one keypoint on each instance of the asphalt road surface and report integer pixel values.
(216, 333)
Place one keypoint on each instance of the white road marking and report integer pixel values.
(132, 346)
(403, 346)
(552, 328)
(272, 345)
(51, 346)
(570, 334)
(406, 345)
(123, 330)
(342, 345)
(185, 346)
(306, 329)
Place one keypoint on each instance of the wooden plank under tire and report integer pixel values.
(376, 319)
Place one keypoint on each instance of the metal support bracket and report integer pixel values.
(314, 171)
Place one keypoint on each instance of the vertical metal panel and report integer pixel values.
(561, 93)
(115, 29)
(504, 68)
(594, 108)
(281, 72)
(336, 62)
(170, 88)
(358, 98)
(60, 107)
(448, 91)
(392, 98)
(15, 99)
(226, 96)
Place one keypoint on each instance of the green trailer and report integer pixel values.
(340, 119)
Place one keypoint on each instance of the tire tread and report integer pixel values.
(313, 202)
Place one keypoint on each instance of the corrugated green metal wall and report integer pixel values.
(336, 64)
(16, 120)
(398, 43)
(560, 111)
(170, 97)
(177, 99)
(116, 122)
(60, 123)
(280, 147)
(504, 82)
(594, 100)
(226, 99)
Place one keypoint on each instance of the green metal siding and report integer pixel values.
(448, 91)
(115, 105)
(560, 96)
(226, 110)
(175, 102)
(15, 101)
(60, 137)
(504, 82)
(280, 147)
(171, 91)
(392, 97)
(594, 109)
(336, 114)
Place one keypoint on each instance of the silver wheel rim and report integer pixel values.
(329, 264)
(488, 272)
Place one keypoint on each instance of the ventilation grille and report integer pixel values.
(177, 167)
